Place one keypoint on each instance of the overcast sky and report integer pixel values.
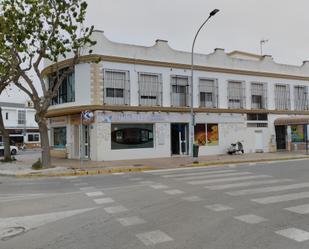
(240, 25)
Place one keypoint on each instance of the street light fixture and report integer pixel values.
(211, 14)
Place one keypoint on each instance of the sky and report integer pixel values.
(240, 25)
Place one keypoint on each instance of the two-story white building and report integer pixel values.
(19, 119)
(140, 97)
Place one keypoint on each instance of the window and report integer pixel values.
(236, 95)
(257, 117)
(21, 117)
(206, 134)
(150, 89)
(66, 91)
(116, 87)
(180, 91)
(298, 133)
(208, 93)
(60, 137)
(258, 96)
(132, 136)
(33, 137)
(282, 97)
(301, 98)
(6, 115)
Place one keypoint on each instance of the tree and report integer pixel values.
(38, 30)
(7, 75)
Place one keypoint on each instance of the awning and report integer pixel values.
(292, 121)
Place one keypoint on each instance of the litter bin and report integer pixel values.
(195, 152)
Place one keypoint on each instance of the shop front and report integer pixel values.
(292, 133)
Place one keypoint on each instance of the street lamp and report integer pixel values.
(211, 14)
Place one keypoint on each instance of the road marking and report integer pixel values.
(163, 171)
(232, 165)
(294, 234)
(87, 189)
(218, 207)
(174, 192)
(302, 209)
(159, 186)
(146, 182)
(81, 184)
(153, 237)
(268, 189)
(136, 179)
(213, 176)
(131, 221)
(245, 184)
(118, 173)
(69, 177)
(252, 164)
(34, 221)
(199, 173)
(95, 194)
(282, 198)
(192, 198)
(103, 200)
(115, 209)
(230, 179)
(250, 219)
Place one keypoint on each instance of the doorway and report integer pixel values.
(85, 142)
(179, 138)
(281, 137)
(259, 142)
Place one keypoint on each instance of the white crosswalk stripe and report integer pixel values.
(294, 234)
(218, 207)
(301, 209)
(229, 179)
(198, 173)
(213, 176)
(250, 218)
(246, 184)
(268, 189)
(282, 198)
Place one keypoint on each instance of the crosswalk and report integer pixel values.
(261, 189)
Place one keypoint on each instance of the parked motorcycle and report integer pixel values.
(236, 148)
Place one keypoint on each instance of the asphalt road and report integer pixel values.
(256, 206)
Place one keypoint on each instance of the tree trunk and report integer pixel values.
(46, 160)
(6, 139)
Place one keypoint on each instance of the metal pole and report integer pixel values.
(192, 123)
(306, 139)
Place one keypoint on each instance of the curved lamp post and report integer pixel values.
(192, 124)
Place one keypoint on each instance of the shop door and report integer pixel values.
(259, 141)
(85, 143)
(76, 147)
(179, 139)
(281, 137)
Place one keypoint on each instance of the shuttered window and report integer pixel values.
(116, 87)
(236, 95)
(301, 98)
(180, 91)
(258, 95)
(282, 97)
(150, 89)
(208, 89)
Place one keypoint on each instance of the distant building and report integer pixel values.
(140, 97)
(19, 120)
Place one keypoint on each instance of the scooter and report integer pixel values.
(236, 148)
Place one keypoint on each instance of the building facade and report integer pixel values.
(19, 121)
(140, 98)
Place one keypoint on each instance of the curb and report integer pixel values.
(246, 161)
(85, 172)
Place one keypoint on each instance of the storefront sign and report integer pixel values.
(87, 117)
(131, 117)
(58, 121)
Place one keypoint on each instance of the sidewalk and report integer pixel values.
(180, 161)
(66, 167)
